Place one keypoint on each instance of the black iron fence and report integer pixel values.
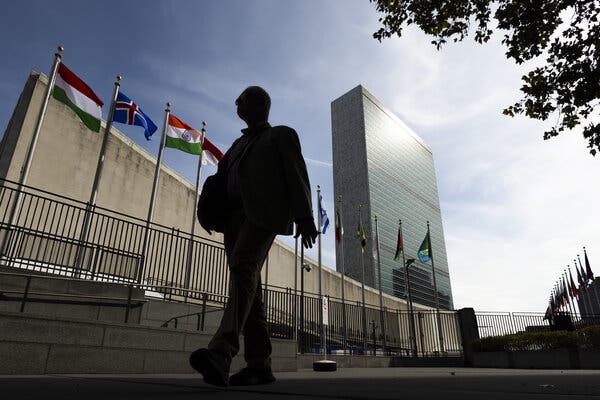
(44, 232)
(58, 235)
(346, 333)
(506, 323)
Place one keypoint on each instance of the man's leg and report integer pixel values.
(257, 344)
(245, 262)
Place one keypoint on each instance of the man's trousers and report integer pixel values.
(246, 246)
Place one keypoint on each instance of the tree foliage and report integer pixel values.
(563, 33)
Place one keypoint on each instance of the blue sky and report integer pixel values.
(516, 209)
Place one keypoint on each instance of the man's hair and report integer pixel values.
(259, 96)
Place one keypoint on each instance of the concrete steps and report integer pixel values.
(37, 344)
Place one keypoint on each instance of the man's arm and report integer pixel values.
(296, 176)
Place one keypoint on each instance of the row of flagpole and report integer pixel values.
(134, 116)
(565, 290)
(425, 254)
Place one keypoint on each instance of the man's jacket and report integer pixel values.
(275, 190)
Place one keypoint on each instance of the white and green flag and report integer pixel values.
(75, 93)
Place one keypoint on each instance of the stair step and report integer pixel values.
(32, 344)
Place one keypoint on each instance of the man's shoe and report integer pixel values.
(211, 368)
(251, 376)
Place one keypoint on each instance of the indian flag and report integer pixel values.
(78, 96)
(183, 137)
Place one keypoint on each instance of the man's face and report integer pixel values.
(242, 106)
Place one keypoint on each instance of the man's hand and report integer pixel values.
(306, 227)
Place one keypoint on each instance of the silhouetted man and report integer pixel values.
(263, 181)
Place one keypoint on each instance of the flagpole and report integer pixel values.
(381, 313)
(91, 205)
(188, 268)
(319, 222)
(435, 292)
(411, 312)
(153, 195)
(343, 273)
(295, 313)
(362, 263)
(32, 145)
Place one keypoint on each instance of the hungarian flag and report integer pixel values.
(210, 153)
(574, 291)
(77, 95)
(588, 270)
(339, 231)
(425, 249)
(399, 246)
(183, 137)
(360, 234)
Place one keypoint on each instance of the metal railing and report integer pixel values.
(506, 323)
(57, 235)
(47, 235)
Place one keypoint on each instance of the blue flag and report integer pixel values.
(324, 217)
(425, 249)
(127, 112)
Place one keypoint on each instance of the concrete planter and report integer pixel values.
(542, 359)
(491, 359)
(589, 358)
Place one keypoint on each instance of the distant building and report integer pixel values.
(381, 164)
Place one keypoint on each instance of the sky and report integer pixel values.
(516, 209)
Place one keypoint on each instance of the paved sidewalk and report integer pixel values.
(352, 383)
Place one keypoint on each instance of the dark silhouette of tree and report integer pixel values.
(566, 33)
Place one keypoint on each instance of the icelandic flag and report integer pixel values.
(127, 112)
(324, 217)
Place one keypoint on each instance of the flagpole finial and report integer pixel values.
(119, 77)
(168, 106)
(318, 187)
(60, 49)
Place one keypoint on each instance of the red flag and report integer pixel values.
(582, 283)
(399, 245)
(574, 291)
(588, 270)
(339, 231)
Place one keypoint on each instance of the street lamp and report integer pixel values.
(303, 267)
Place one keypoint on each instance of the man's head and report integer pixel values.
(253, 105)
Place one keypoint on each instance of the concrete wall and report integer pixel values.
(65, 162)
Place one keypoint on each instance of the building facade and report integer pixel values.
(382, 168)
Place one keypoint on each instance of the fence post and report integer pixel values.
(469, 332)
(422, 336)
(203, 310)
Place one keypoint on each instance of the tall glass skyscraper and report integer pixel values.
(380, 164)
